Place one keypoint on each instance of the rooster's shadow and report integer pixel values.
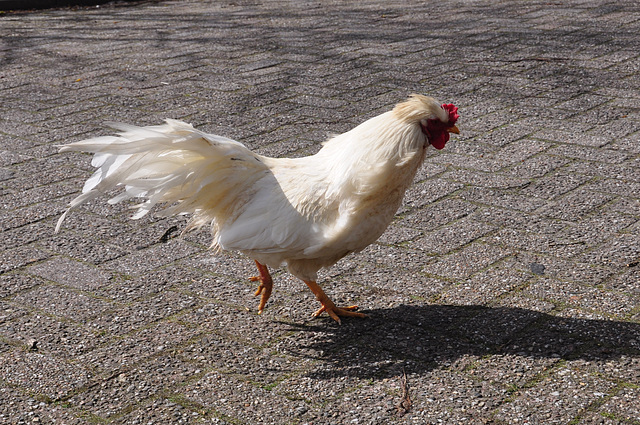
(425, 337)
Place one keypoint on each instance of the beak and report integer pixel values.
(453, 130)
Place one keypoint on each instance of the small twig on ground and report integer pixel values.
(167, 235)
(405, 402)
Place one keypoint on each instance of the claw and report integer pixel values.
(265, 292)
(335, 312)
(328, 305)
(265, 287)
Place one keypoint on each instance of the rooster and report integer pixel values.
(307, 213)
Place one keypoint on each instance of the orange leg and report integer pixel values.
(329, 306)
(266, 285)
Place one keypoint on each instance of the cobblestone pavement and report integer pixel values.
(507, 289)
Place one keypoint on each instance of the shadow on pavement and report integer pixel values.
(9, 5)
(422, 338)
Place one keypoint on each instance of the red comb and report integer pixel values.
(453, 112)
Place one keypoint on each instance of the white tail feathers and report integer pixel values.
(198, 173)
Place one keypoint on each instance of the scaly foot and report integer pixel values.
(328, 305)
(336, 312)
(265, 287)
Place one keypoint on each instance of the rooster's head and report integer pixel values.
(435, 120)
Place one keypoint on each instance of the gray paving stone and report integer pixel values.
(469, 260)
(15, 258)
(141, 313)
(130, 387)
(485, 287)
(113, 353)
(12, 284)
(465, 400)
(73, 273)
(503, 199)
(20, 408)
(223, 394)
(450, 238)
(165, 410)
(575, 205)
(587, 297)
(437, 214)
(62, 302)
(47, 376)
(51, 336)
(571, 390)
(381, 279)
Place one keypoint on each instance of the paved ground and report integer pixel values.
(14, 5)
(507, 288)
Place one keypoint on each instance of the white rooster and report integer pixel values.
(306, 212)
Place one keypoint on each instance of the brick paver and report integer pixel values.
(507, 288)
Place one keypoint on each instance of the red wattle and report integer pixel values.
(439, 140)
(436, 131)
